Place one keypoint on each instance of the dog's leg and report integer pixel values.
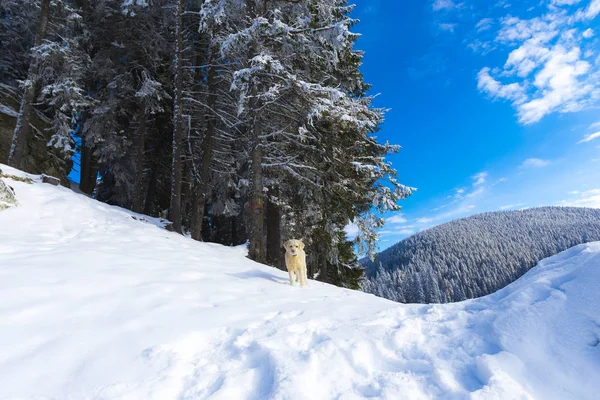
(303, 277)
(291, 277)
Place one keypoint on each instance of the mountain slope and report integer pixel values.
(95, 304)
(476, 256)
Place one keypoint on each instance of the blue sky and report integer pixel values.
(495, 103)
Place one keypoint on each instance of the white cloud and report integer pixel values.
(589, 138)
(484, 24)
(439, 5)
(502, 4)
(425, 220)
(489, 85)
(481, 46)
(447, 27)
(396, 219)
(564, 2)
(535, 163)
(406, 232)
(480, 178)
(590, 198)
(547, 71)
(476, 192)
(511, 206)
(593, 9)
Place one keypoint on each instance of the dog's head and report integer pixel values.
(294, 247)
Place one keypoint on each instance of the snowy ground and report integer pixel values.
(97, 305)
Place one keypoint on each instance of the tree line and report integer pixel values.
(239, 120)
(476, 256)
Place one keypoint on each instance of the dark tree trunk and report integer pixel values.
(207, 152)
(257, 217)
(23, 128)
(197, 213)
(257, 245)
(152, 189)
(274, 236)
(138, 190)
(176, 173)
(89, 169)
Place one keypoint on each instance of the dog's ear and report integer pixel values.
(286, 244)
(301, 244)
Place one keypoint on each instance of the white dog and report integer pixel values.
(295, 261)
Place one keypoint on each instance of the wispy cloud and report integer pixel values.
(589, 138)
(513, 91)
(425, 220)
(535, 163)
(396, 219)
(439, 5)
(595, 125)
(547, 70)
(590, 198)
(511, 206)
(564, 2)
(447, 27)
(484, 24)
(480, 178)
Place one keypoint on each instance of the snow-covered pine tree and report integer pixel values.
(131, 80)
(53, 91)
(64, 63)
(17, 36)
(261, 129)
(23, 129)
(301, 90)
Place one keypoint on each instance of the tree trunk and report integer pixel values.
(152, 189)
(257, 245)
(176, 173)
(138, 190)
(257, 217)
(23, 128)
(207, 151)
(89, 169)
(274, 236)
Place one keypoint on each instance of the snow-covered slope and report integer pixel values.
(95, 304)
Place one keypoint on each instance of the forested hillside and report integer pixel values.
(238, 120)
(476, 256)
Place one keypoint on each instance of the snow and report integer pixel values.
(97, 302)
(7, 196)
(6, 110)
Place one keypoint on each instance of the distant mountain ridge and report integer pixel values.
(476, 256)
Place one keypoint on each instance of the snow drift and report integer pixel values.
(99, 303)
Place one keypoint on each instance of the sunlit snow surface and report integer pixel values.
(95, 304)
